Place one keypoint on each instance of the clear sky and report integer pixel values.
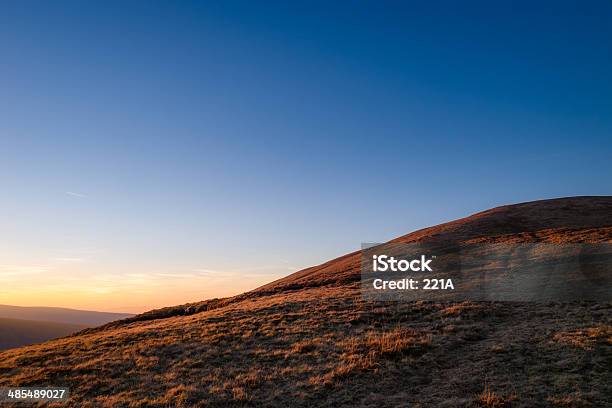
(156, 152)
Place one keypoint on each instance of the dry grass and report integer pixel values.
(488, 398)
(566, 401)
(327, 346)
(312, 340)
(587, 338)
(387, 342)
(462, 307)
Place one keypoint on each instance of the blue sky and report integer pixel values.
(196, 149)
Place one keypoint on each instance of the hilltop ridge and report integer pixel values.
(560, 220)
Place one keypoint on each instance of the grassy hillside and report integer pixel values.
(15, 332)
(312, 340)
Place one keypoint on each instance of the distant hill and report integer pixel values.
(60, 315)
(312, 339)
(16, 333)
(21, 326)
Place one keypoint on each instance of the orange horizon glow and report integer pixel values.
(73, 286)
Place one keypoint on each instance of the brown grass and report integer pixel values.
(390, 342)
(312, 340)
(587, 338)
(327, 346)
(488, 398)
(461, 308)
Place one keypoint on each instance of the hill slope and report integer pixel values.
(311, 339)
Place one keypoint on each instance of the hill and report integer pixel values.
(311, 339)
(15, 332)
(60, 315)
(21, 326)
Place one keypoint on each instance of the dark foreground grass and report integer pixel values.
(327, 347)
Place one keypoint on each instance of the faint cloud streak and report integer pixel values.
(73, 194)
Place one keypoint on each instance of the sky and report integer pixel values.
(154, 153)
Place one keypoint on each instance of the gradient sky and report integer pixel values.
(154, 153)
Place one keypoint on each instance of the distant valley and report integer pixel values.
(20, 326)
